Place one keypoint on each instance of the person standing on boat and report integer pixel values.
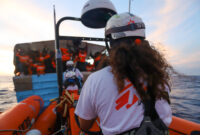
(70, 67)
(97, 58)
(115, 94)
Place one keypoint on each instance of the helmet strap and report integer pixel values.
(107, 46)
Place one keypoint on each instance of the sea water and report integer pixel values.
(185, 96)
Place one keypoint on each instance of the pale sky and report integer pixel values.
(173, 25)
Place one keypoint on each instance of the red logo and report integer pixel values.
(124, 99)
(130, 22)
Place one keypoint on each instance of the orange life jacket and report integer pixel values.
(65, 54)
(89, 67)
(64, 50)
(30, 72)
(40, 69)
(75, 59)
(46, 56)
(98, 58)
(23, 59)
(66, 57)
(42, 58)
(53, 63)
(82, 56)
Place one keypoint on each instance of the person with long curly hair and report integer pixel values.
(136, 73)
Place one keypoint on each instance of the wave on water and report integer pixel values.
(185, 96)
(7, 93)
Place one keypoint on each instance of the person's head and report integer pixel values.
(21, 51)
(37, 53)
(18, 50)
(97, 54)
(132, 57)
(82, 50)
(52, 54)
(44, 51)
(125, 25)
(69, 65)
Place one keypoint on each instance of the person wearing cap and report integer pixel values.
(70, 67)
(136, 72)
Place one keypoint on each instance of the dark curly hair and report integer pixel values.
(139, 63)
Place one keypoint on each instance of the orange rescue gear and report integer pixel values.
(64, 50)
(46, 121)
(181, 126)
(75, 59)
(43, 58)
(65, 54)
(66, 57)
(82, 56)
(47, 56)
(40, 69)
(90, 68)
(75, 130)
(21, 116)
(53, 63)
(98, 58)
(23, 59)
(30, 72)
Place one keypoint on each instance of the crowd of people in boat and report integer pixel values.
(41, 62)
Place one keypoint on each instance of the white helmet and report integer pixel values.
(96, 13)
(125, 25)
(69, 63)
(70, 74)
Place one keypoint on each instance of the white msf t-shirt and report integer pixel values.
(118, 112)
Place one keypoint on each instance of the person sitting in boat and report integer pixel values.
(40, 68)
(70, 83)
(81, 62)
(70, 67)
(45, 57)
(22, 62)
(66, 56)
(97, 59)
(17, 63)
(53, 62)
(137, 72)
(31, 62)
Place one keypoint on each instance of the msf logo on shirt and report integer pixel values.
(126, 99)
